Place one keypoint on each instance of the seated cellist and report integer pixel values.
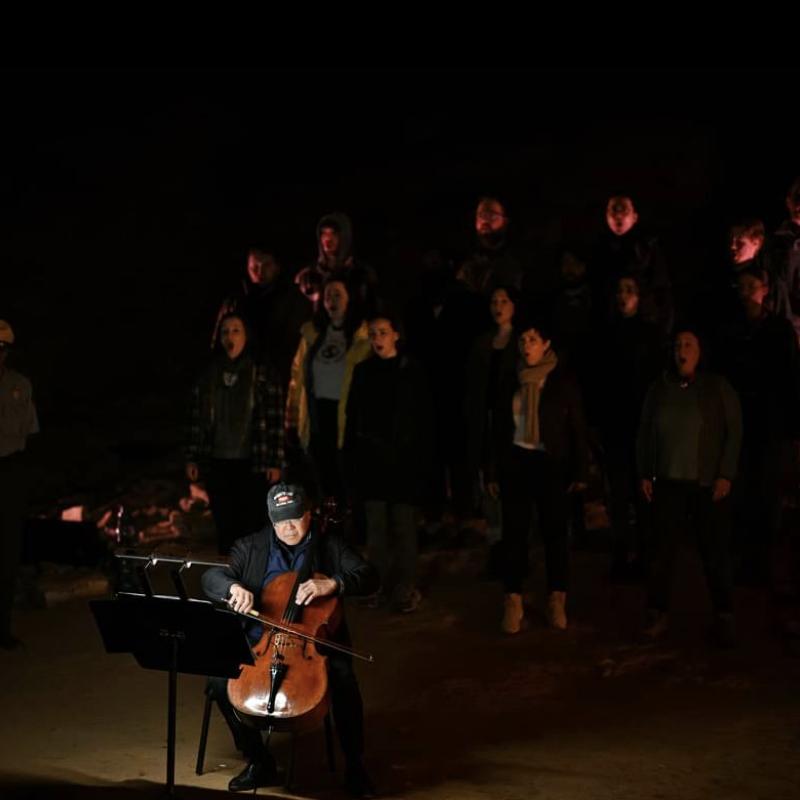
(284, 545)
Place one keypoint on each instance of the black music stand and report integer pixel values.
(173, 635)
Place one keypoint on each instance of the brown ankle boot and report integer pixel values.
(557, 610)
(512, 613)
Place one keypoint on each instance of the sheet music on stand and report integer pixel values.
(167, 629)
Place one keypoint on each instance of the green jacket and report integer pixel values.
(720, 437)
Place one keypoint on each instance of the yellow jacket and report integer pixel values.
(297, 399)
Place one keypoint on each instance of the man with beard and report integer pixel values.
(492, 264)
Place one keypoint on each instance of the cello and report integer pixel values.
(287, 688)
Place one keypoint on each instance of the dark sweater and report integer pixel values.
(786, 257)
(761, 360)
(627, 357)
(482, 391)
(389, 432)
(668, 415)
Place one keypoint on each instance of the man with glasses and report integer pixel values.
(492, 264)
(292, 542)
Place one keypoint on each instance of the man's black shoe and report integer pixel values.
(255, 774)
(9, 642)
(723, 632)
(357, 782)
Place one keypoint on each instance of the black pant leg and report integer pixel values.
(13, 498)
(247, 739)
(516, 497)
(550, 489)
(670, 516)
(348, 707)
(713, 528)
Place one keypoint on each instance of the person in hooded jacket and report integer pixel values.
(335, 254)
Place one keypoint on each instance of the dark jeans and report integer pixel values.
(13, 500)
(392, 544)
(459, 477)
(348, 712)
(627, 509)
(758, 504)
(680, 508)
(532, 477)
(449, 482)
(324, 451)
(238, 500)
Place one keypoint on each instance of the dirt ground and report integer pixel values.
(454, 709)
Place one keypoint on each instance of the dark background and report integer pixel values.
(129, 200)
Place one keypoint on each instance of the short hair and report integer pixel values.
(533, 321)
(492, 199)
(259, 252)
(621, 196)
(391, 316)
(629, 276)
(686, 326)
(755, 271)
(581, 251)
(751, 227)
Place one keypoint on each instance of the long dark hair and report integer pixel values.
(353, 315)
(248, 332)
(514, 295)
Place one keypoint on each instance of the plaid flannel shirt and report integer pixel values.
(267, 433)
